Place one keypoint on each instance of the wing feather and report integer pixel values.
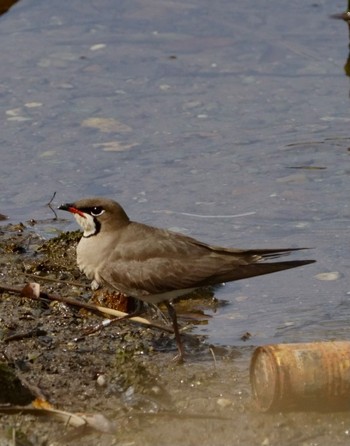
(148, 261)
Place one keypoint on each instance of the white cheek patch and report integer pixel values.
(87, 224)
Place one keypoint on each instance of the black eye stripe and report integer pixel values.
(94, 210)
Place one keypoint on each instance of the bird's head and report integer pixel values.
(95, 215)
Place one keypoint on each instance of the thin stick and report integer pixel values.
(49, 205)
(49, 279)
(91, 307)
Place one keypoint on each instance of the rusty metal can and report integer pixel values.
(304, 376)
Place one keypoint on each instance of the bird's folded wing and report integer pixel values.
(159, 275)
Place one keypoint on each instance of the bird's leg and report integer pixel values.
(172, 313)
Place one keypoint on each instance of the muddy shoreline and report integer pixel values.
(124, 373)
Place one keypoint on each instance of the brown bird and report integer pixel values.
(157, 265)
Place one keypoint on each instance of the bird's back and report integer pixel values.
(154, 260)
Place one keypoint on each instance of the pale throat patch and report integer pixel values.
(87, 224)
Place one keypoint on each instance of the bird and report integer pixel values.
(157, 265)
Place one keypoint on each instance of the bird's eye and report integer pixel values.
(96, 211)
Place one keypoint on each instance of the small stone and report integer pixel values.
(33, 104)
(19, 119)
(335, 275)
(98, 46)
(302, 224)
(106, 125)
(224, 402)
(115, 146)
(101, 380)
(13, 112)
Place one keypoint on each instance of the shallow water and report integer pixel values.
(221, 120)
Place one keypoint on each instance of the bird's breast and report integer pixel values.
(91, 255)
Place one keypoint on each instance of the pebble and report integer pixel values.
(106, 125)
(33, 104)
(101, 380)
(115, 146)
(98, 46)
(19, 119)
(13, 112)
(335, 275)
(224, 402)
(302, 225)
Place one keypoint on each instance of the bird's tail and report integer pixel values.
(259, 269)
(266, 254)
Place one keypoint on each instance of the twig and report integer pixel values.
(24, 335)
(49, 205)
(49, 279)
(214, 357)
(87, 306)
(96, 421)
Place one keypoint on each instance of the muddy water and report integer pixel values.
(221, 120)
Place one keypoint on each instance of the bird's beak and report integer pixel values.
(72, 209)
